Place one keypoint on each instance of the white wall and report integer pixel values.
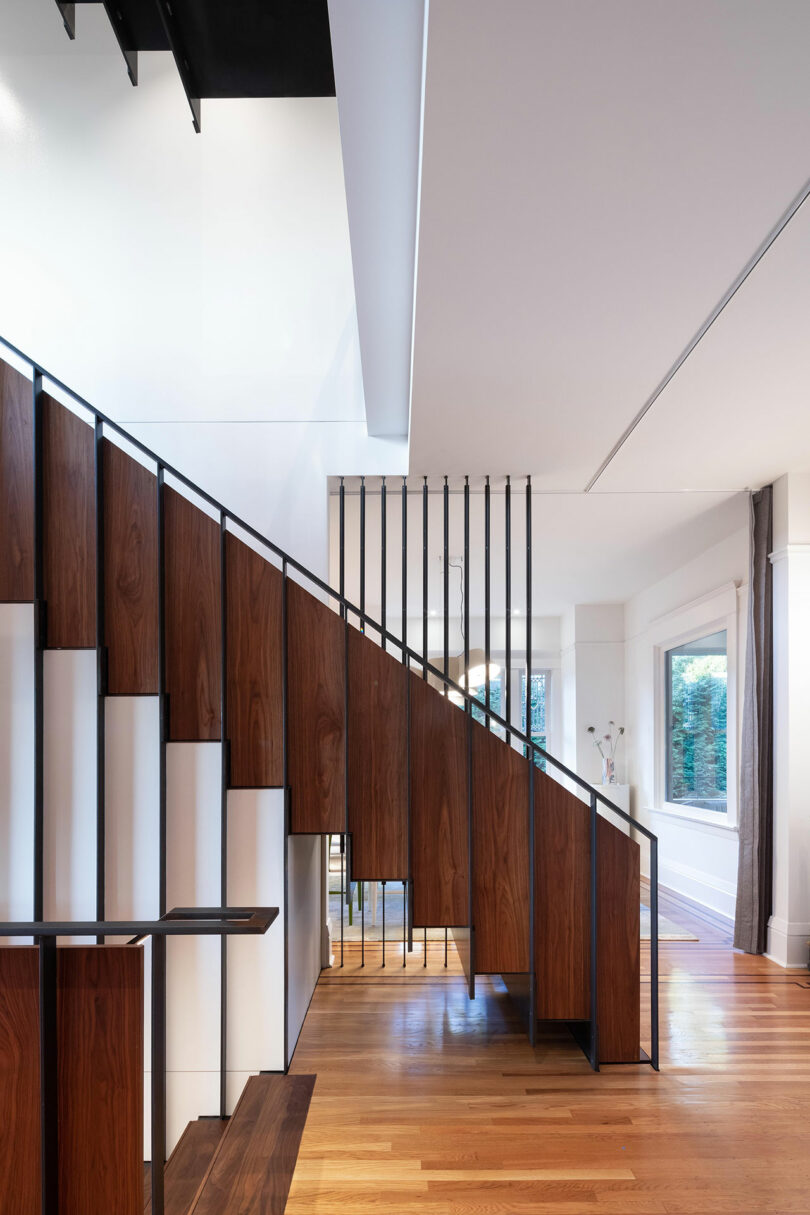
(697, 859)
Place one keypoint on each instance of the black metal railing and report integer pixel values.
(409, 656)
(180, 921)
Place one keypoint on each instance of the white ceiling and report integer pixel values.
(595, 176)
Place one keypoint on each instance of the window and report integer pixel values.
(479, 691)
(696, 682)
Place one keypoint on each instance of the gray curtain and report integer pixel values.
(755, 865)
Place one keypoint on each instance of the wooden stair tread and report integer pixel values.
(187, 1165)
(252, 1167)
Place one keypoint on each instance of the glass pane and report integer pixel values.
(697, 680)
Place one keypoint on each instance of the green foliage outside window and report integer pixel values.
(697, 679)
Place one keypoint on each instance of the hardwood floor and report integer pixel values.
(425, 1102)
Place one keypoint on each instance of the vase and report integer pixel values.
(608, 770)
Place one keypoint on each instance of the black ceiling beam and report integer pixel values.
(124, 37)
(68, 14)
(181, 59)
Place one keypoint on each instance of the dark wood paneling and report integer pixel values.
(69, 526)
(500, 849)
(378, 762)
(253, 1166)
(439, 831)
(193, 620)
(16, 487)
(187, 1166)
(19, 1080)
(101, 1080)
(254, 660)
(562, 902)
(130, 574)
(316, 681)
(100, 1045)
(618, 950)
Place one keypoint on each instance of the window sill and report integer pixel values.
(697, 819)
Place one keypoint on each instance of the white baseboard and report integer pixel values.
(704, 888)
(787, 941)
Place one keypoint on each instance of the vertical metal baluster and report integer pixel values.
(362, 554)
(223, 810)
(404, 922)
(654, 952)
(446, 580)
(424, 950)
(40, 641)
(424, 578)
(158, 1027)
(529, 721)
(383, 924)
(405, 570)
(507, 502)
(469, 711)
(342, 863)
(285, 770)
(362, 901)
(342, 500)
(530, 752)
(101, 684)
(383, 561)
(594, 1028)
(406, 919)
(487, 589)
(48, 1073)
(445, 948)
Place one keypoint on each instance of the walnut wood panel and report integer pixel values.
(316, 683)
(69, 528)
(562, 902)
(193, 620)
(618, 948)
(254, 667)
(19, 1079)
(501, 858)
(100, 1047)
(378, 762)
(101, 1080)
(253, 1166)
(16, 487)
(439, 829)
(130, 574)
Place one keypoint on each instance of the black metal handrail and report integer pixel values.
(180, 921)
(594, 794)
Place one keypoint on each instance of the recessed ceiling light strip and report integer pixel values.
(783, 222)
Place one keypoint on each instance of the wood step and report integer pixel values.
(253, 1164)
(187, 1166)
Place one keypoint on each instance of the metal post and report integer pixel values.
(158, 1071)
(362, 554)
(405, 570)
(424, 578)
(383, 925)
(404, 922)
(529, 723)
(158, 1027)
(445, 948)
(39, 649)
(383, 560)
(342, 864)
(362, 901)
(285, 769)
(487, 589)
(507, 503)
(654, 952)
(342, 546)
(223, 811)
(48, 1076)
(469, 711)
(424, 949)
(466, 621)
(446, 580)
(594, 1027)
(101, 682)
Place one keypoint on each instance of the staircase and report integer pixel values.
(533, 882)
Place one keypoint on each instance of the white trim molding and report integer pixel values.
(788, 942)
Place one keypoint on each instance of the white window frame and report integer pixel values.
(700, 618)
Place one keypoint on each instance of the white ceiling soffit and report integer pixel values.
(594, 178)
(378, 52)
